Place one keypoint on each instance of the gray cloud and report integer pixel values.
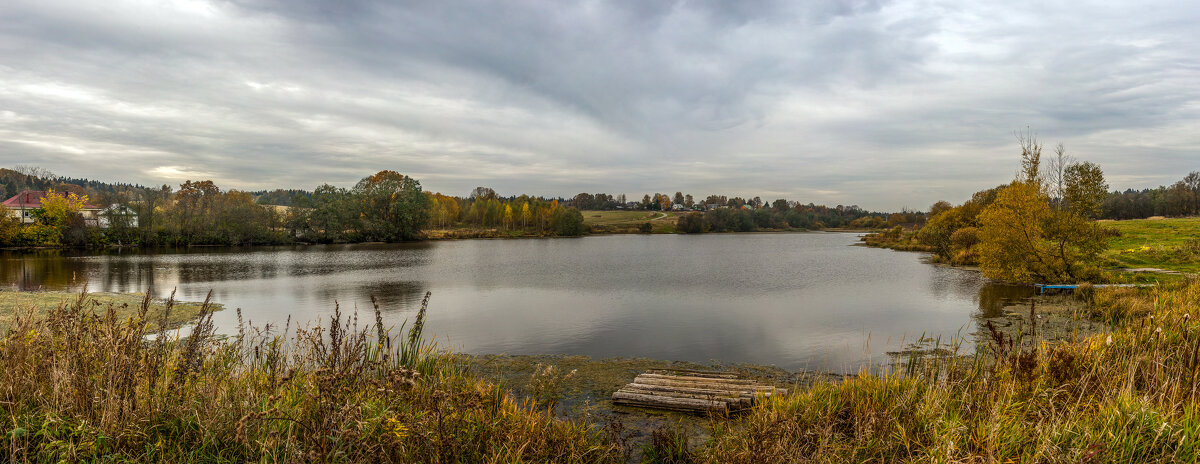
(882, 104)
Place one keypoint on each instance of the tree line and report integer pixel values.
(1180, 199)
(780, 214)
(387, 207)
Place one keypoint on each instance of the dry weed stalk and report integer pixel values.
(84, 385)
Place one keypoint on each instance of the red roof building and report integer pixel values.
(21, 205)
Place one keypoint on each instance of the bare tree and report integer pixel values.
(34, 171)
(1192, 181)
(1055, 171)
(1031, 158)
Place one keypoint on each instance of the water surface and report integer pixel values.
(798, 301)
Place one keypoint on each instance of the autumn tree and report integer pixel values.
(1084, 189)
(1022, 239)
(9, 227)
(150, 202)
(479, 192)
(567, 222)
(329, 215)
(939, 208)
(58, 218)
(692, 223)
(938, 231)
(57, 208)
(392, 206)
(662, 201)
(193, 209)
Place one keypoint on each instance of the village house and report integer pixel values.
(119, 214)
(21, 206)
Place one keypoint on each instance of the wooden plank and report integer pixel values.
(689, 404)
(698, 391)
(732, 403)
(692, 391)
(686, 409)
(734, 381)
(693, 373)
(716, 383)
(684, 394)
(672, 382)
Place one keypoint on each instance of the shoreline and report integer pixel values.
(434, 239)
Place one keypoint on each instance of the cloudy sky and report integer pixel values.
(881, 104)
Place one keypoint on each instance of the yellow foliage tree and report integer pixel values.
(57, 208)
(9, 227)
(1021, 239)
(1010, 234)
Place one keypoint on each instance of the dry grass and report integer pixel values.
(1129, 398)
(81, 386)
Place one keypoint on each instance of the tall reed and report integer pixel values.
(84, 385)
(1126, 396)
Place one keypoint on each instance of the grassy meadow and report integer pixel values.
(1172, 244)
(661, 222)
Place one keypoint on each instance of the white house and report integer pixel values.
(118, 213)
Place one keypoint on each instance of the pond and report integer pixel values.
(794, 300)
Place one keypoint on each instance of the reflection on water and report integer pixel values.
(793, 300)
(993, 297)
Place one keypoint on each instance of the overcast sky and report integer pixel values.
(880, 104)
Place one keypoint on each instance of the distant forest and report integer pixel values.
(389, 206)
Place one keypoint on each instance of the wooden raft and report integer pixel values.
(693, 391)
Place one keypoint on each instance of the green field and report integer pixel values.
(13, 304)
(662, 222)
(617, 217)
(1171, 244)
